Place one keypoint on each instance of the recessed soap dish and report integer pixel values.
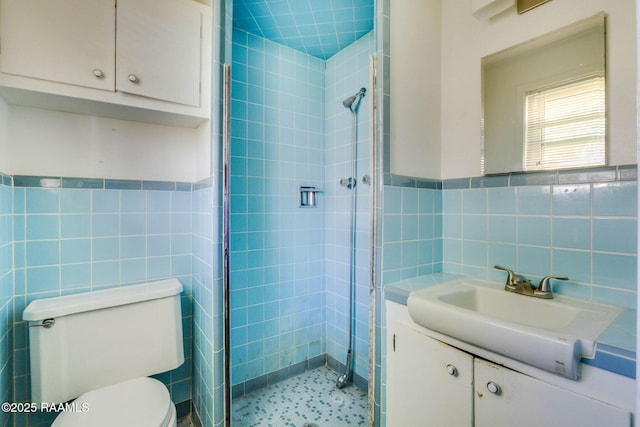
(308, 197)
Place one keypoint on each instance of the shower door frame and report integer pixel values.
(376, 175)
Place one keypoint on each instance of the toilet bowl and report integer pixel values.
(141, 402)
(100, 348)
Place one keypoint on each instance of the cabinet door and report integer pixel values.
(527, 402)
(68, 41)
(158, 46)
(429, 383)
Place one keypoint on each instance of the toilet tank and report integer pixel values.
(103, 337)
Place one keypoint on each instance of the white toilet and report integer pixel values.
(99, 347)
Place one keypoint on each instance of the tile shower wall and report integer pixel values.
(109, 233)
(6, 293)
(347, 72)
(289, 129)
(277, 249)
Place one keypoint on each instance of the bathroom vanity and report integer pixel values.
(436, 378)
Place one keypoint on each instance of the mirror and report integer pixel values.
(544, 102)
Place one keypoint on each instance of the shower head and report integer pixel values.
(350, 100)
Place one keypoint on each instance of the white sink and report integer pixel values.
(550, 334)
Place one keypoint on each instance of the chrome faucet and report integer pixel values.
(513, 279)
(544, 288)
(521, 285)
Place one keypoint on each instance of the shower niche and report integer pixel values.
(308, 197)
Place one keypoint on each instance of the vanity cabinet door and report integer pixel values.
(65, 41)
(506, 398)
(158, 45)
(429, 383)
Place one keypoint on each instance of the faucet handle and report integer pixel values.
(512, 278)
(544, 289)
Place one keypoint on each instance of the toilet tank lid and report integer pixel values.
(47, 308)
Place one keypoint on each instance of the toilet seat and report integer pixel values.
(141, 402)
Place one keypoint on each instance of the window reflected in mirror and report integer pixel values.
(544, 102)
(565, 125)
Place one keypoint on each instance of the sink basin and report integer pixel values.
(549, 334)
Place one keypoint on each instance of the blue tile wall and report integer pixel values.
(277, 249)
(289, 266)
(208, 387)
(320, 29)
(412, 232)
(84, 238)
(586, 231)
(347, 72)
(6, 294)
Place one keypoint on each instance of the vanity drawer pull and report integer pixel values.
(493, 388)
(452, 370)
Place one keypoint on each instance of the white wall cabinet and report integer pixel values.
(87, 56)
(66, 41)
(429, 382)
(158, 50)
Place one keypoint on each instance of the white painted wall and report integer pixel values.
(4, 125)
(465, 40)
(415, 88)
(44, 142)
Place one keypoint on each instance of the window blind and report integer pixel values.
(565, 125)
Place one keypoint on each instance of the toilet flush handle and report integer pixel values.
(46, 323)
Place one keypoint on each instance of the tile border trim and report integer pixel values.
(30, 181)
(518, 179)
(5, 180)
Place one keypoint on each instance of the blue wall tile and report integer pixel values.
(585, 231)
(81, 239)
(502, 228)
(474, 201)
(533, 230)
(502, 200)
(534, 200)
(279, 252)
(572, 233)
(615, 199)
(619, 271)
(571, 200)
(615, 235)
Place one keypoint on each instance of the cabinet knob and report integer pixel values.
(493, 388)
(452, 370)
(98, 73)
(133, 78)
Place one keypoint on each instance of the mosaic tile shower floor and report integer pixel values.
(308, 400)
